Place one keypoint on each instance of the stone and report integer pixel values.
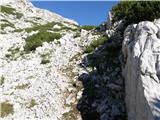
(104, 117)
(79, 95)
(141, 47)
(115, 111)
(114, 87)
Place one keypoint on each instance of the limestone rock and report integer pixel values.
(141, 51)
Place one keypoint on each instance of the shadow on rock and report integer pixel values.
(103, 94)
(156, 104)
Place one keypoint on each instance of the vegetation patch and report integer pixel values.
(36, 40)
(2, 80)
(6, 24)
(7, 9)
(95, 43)
(136, 11)
(37, 18)
(68, 28)
(31, 21)
(45, 58)
(6, 109)
(19, 30)
(45, 27)
(71, 115)
(78, 34)
(75, 57)
(18, 15)
(32, 104)
(29, 77)
(88, 27)
(48, 26)
(23, 86)
(10, 10)
(13, 53)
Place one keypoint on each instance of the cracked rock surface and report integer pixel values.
(141, 50)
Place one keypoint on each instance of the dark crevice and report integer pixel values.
(103, 96)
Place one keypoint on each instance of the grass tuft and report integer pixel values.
(32, 103)
(6, 109)
(6, 24)
(45, 58)
(95, 43)
(13, 53)
(23, 86)
(2, 80)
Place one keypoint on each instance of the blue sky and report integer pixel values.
(85, 13)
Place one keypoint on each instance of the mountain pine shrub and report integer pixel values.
(88, 27)
(136, 11)
(36, 40)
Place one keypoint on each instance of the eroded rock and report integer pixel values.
(141, 50)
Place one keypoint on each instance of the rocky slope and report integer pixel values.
(51, 68)
(141, 69)
(39, 83)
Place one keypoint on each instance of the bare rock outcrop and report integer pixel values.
(141, 70)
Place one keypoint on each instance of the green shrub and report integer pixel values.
(6, 109)
(36, 40)
(88, 27)
(22, 86)
(48, 26)
(18, 30)
(68, 28)
(3, 26)
(78, 34)
(136, 11)
(18, 15)
(45, 61)
(2, 80)
(32, 104)
(13, 53)
(96, 43)
(10, 10)
(6, 24)
(89, 49)
(45, 58)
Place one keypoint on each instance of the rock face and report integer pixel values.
(141, 70)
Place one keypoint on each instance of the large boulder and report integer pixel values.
(141, 70)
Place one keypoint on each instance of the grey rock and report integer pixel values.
(115, 111)
(114, 86)
(104, 117)
(141, 51)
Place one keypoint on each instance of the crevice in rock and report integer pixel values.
(103, 95)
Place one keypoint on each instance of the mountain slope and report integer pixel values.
(52, 68)
(40, 53)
